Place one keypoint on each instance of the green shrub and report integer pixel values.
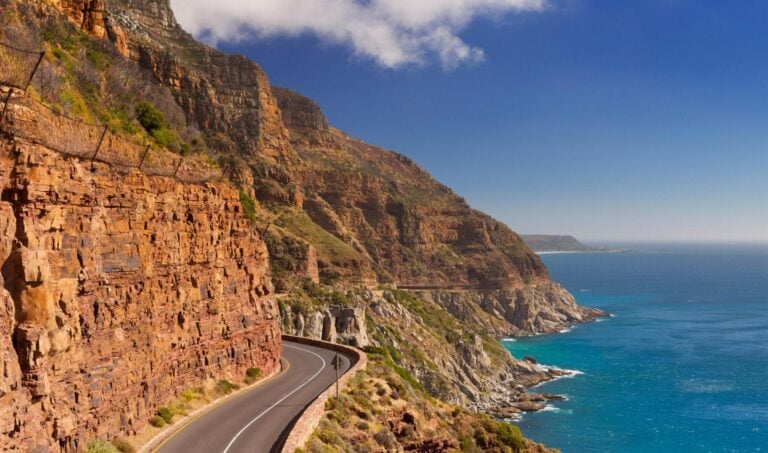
(99, 446)
(192, 394)
(99, 60)
(118, 122)
(58, 53)
(506, 433)
(122, 445)
(328, 436)
(510, 435)
(157, 421)
(166, 414)
(225, 387)
(468, 445)
(149, 116)
(374, 350)
(164, 136)
(249, 206)
(339, 298)
(252, 375)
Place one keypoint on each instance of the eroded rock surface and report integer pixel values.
(118, 292)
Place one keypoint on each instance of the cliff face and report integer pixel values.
(119, 291)
(396, 224)
(227, 96)
(412, 230)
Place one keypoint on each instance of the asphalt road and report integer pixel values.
(258, 420)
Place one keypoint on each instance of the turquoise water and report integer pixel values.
(683, 365)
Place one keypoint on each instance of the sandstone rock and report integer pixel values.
(108, 309)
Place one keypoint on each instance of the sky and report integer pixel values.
(610, 120)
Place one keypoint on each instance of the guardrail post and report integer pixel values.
(37, 65)
(178, 166)
(144, 156)
(98, 147)
(5, 107)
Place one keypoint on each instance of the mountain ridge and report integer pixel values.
(555, 243)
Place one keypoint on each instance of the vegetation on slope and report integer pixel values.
(381, 410)
(84, 78)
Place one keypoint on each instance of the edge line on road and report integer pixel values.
(234, 439)
(222, 401)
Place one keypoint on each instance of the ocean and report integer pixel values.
(681, 367)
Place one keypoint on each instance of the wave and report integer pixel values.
(706, 386)
(569, 374)
(508, 340)
(555, 409)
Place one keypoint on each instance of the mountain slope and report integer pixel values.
(548, 243)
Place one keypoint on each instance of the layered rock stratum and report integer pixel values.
(118, 292)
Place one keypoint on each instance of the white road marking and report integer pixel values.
(232, 442)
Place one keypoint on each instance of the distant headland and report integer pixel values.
(542, 243)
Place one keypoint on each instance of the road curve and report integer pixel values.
(258, 420)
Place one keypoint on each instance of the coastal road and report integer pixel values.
(257, 421)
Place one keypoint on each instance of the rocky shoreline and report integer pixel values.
(470, 373)
(523, 400)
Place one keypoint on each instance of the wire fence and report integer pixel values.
(18, 66)
(24, 117)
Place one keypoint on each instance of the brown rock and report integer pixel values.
(119, 292)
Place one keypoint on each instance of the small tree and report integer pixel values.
(150, 117)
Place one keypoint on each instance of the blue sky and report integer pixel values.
(605, 119)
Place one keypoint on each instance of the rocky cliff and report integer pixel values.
(348, 214)
(371, 214)
(118, 291)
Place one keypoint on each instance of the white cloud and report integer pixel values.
(391, 32)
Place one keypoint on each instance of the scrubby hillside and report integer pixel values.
(381, 411)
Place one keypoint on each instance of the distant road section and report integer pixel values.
(258, 420)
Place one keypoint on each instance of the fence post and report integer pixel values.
(101, 140)
(178, 166)
(37, 65)
(144, 156)
(5, 107)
